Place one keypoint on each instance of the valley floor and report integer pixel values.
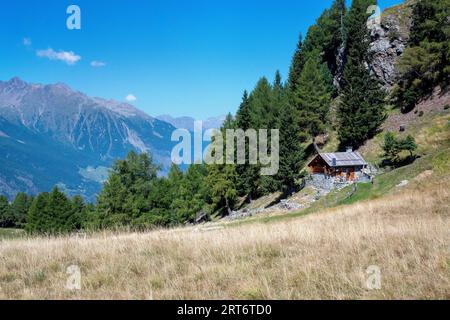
(327, 255)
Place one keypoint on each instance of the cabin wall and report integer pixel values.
(341, 173)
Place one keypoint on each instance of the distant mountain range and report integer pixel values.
(188, 122)
(52, 135)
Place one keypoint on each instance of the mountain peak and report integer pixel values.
(16, 82)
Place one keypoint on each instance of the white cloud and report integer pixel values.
(27, 42)
(97, 64)
(130, 98)
(69, 57)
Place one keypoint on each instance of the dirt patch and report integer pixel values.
(436, 102)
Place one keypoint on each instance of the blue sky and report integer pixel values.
(183, 57)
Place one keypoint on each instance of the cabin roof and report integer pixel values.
(343, 159)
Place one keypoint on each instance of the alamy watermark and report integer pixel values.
(230, 147)
(375, 18)
(73, 281)
(73, 22)
(373, 281)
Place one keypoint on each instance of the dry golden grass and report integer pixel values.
(321, 256)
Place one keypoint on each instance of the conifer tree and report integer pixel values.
(6, 216)
(38, 216)
(327, 36)
(78, 213)
(291, 152)
(20, 207)
(59, 212)
(312, 98)
(245, 183)
(425, 64)
(222, 179)
(298, 61)
(361, 110)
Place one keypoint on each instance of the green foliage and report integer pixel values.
(52, 213)
(222, 178)
(298, 61)
(312, 98)
(328, 35)
(425, 64)
(392, 147)
(132, 190)
(221, 181)
(191, 193)
(362, 108)
(20, 207)
(247, 181)
(291, 151)
(6, 215)
(38, 216)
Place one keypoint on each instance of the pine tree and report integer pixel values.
(425, 64)
(312, 98)
(125, 196)
(327, 36)
(390, 147)
(6, 215)
(59, 212)
(222, 179)
(78, 214)
(221, 182)
(291, 152)
(192, 194)
(409, 144)
(38, 216)
(298, 61)
(20, 207)
(243, 117)
(111, 202)
(361, 110)
(243, 121)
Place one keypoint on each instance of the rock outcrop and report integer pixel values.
(388, 42)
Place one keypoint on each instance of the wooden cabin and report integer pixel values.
(347, 166)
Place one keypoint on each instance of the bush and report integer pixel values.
(393, 146)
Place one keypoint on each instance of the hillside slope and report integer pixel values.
(321, 256)
(51, 134)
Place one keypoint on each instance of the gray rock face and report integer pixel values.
(388, 41)
(340, 65)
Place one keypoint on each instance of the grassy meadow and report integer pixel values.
(324, 255)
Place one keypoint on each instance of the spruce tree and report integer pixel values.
(222, 186)
(78, 214)
(425, 64)
(291, 152)
(38, 216)
(6, 215)
(20, 207)
(327, 36)
(222, 179)
(312, 98)
(59, 212)
(243, 122)
(298, 61)
(361, 111)
(125, 196)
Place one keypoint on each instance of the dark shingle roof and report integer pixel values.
(343, 159)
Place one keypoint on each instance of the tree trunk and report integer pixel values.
(228, 207)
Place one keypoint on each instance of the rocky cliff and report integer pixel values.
(389, 40)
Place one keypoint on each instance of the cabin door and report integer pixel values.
(351, 174)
